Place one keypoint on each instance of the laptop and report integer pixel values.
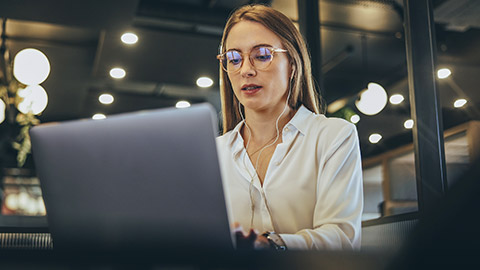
(144, 180)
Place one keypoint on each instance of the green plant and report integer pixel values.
(22, 143)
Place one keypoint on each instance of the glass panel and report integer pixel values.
(456, 156)
(402, 177)
(403, 186)
(372, 190)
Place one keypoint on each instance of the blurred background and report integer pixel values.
(108, 57)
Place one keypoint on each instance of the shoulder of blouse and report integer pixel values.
(225, 142)
(320, 125)
(329, 133)
(223, 139)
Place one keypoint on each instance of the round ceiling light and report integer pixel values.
(34, 99)
(106, 99)
(98, 116)
(2, 110)
(31, 66)
(375, 138)
(182, 104)
(408, 124)
(460, 103)
(204, 82)
(443, 73)
(372, 100)
(355, 118)
(396, 99)
(117, 73)
(129, 38)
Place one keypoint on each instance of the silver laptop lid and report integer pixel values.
(134, 181)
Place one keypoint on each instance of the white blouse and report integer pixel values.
(312, 192)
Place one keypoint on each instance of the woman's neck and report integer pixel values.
(262, 124)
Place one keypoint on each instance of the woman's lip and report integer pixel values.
(249, 85)
(252, 91)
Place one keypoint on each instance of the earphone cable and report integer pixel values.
(252, 177)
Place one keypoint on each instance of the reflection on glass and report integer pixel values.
(373, 194)
(22, 196)
(457, 156)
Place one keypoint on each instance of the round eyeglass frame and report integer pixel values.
(221, 58)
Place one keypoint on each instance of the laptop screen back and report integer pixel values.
(145, 180)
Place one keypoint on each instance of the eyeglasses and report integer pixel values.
(260, 58)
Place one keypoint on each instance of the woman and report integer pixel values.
(289, 171)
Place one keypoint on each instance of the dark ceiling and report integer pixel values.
(361, 41)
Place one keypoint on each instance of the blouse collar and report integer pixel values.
(235, 140)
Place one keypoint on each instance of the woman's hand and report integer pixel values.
(252, 240)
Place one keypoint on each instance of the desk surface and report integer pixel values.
(188, 260)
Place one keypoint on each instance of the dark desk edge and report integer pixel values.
(391, 219)
(23, 224)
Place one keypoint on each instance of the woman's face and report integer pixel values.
(259, 90)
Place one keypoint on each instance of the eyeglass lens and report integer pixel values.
(260, 58)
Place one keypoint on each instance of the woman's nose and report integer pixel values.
(247, 69)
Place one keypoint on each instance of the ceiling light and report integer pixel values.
(375, 138)
(204, 82)
(337, 105)
(355, 118)
(117, 73)
(396, 99)
(408, 124)
(182, 104)
(99, 116)
(443, 73)
(106, 99)
(129, 38)
(34, 99)
(460, 103)
(2, 110)
(372, 100)
(31, 67)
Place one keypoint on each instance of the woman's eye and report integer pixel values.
(234, 58)
(263, 54)
(235, 61)
(264, 57)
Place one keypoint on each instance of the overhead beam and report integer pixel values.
(178, 12)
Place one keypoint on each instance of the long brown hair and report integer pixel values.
(302, 84)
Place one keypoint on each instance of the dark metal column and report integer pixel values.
(309, 22)
(426, 111)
